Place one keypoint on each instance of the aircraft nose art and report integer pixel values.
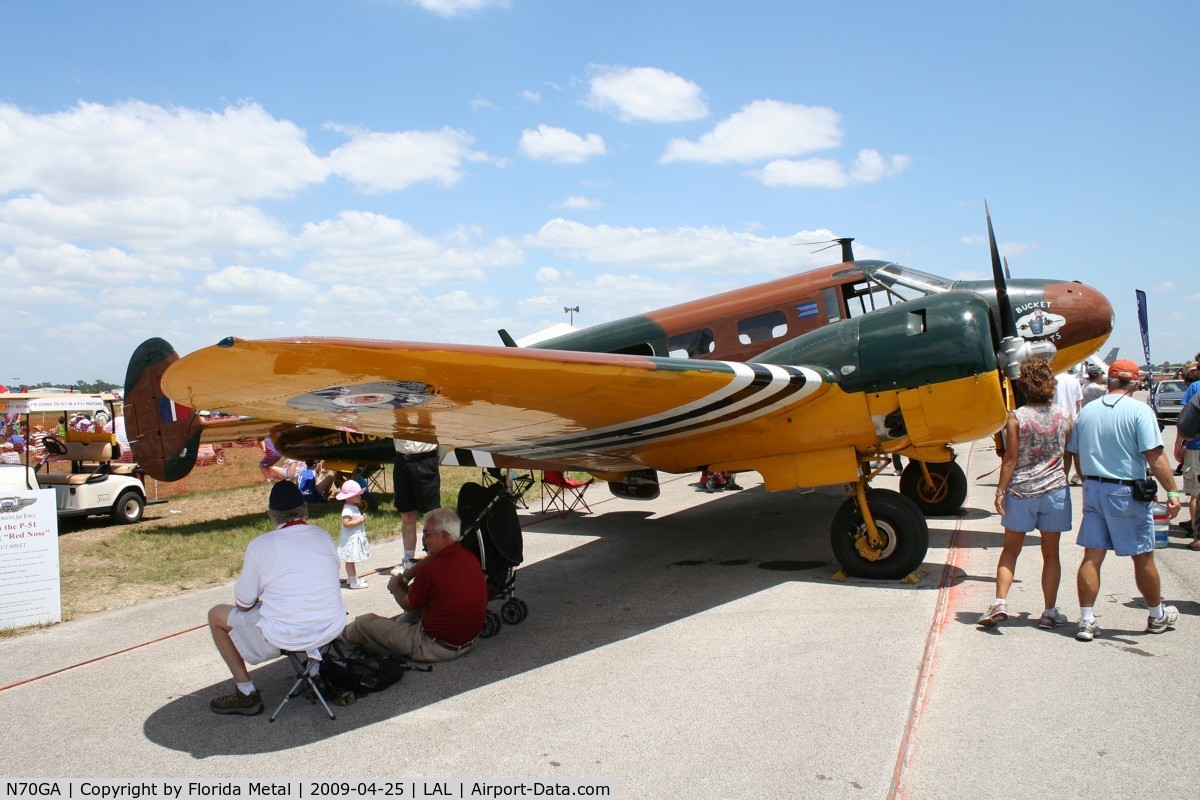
(1088, 313)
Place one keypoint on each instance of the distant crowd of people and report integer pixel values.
(17, 443)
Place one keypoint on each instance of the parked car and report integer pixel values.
(1168, 399)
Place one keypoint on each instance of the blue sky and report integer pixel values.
(437, 169)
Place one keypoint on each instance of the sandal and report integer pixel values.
(1194, 544)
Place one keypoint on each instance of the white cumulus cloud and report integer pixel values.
(869, 166)
(377, 162)
(762, 130)
(707, 249)
(136, 148)
(454, 8)
(559, 145)
(395, 254)
(257, 283)
(645, 94)
(578, 203)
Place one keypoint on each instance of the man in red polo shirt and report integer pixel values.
(444, 595)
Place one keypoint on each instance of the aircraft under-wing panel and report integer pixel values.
(920, 365)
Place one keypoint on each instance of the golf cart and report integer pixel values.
(95, 484)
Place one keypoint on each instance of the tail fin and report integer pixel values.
(163, 434)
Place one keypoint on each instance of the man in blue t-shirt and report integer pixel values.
(1187, 453)
(312, 490)
(1117, 439)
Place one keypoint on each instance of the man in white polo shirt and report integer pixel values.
(287, 598)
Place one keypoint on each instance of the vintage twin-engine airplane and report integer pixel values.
(803, 379)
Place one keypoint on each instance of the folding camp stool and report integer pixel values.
(306, 670)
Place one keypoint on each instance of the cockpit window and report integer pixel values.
(863, 297)
(909, 283)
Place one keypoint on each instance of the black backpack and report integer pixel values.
(362, 672)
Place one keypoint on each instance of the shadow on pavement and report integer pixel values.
(639, 575)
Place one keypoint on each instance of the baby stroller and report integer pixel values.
(492, 532)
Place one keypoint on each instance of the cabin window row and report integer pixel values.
(701, 343)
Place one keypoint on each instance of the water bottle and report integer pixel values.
(1162, 524)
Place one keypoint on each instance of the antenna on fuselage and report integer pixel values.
(847, 248)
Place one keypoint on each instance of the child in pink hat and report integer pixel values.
(353, 547)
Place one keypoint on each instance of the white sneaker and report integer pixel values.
(1087, 631)
(996, 613)
(1169, 618)
(356, 583)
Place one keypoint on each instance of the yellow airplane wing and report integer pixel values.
(591, 410)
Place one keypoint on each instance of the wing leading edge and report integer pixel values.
(590, 410)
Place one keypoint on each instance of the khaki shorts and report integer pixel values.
(248, 638)
(1191, 472)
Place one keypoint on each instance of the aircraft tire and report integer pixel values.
(898, 520)
(948, 493)
(128, 508)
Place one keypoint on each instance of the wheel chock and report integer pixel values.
(915, 576)
(839, 576)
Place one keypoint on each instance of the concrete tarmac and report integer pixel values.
(694, 646)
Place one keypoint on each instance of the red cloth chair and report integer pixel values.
(561, 491)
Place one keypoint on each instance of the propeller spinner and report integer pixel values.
(1013, 349)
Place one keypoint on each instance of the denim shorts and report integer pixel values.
(1049, 513)
(1113, 520)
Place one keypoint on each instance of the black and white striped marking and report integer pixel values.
(755, 391)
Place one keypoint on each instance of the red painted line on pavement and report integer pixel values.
(100, 658)
(545, 516)
(900, 786)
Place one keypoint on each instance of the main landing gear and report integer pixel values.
(878, 533)
(938, 489)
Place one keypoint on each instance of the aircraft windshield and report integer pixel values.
(907, 282)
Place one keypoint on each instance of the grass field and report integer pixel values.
(197, 538)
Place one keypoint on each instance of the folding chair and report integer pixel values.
(376, 477)
(563, 492)
(516, 483)
(306, 670)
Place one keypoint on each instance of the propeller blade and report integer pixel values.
(1007, 274)
(1008, 324)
